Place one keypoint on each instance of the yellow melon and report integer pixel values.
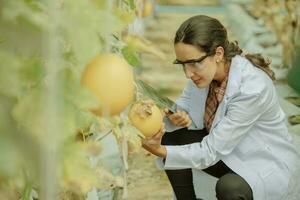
(148, 8)
(146, 117)
(111, 79)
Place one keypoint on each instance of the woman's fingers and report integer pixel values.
(160, 133)
(168, 112)
(189, 123)
(176, 116)
(186, 122)
(180, 118)
(156, 138)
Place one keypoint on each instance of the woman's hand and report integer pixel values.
(153, 143)
(180, 118)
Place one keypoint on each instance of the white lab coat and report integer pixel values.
(248, 134)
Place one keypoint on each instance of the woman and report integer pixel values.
(238, 133)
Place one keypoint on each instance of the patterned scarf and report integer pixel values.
(215, 96)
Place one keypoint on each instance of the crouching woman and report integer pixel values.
(228, 121)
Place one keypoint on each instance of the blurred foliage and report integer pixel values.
(282, 17)
(294, 72)
(44, 47)
(130, 3)
(191, 2)
(131, 56)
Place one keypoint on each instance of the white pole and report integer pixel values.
(49, 139)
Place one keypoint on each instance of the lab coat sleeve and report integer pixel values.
(241, 114)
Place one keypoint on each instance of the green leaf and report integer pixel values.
(160, 100)
(9, 76)
(9, 159)
(130, 3)
(29, 112)
(74, 92)
(131, 55)
(29, 12)
(32, 72)
(124, 16)
(7, 124)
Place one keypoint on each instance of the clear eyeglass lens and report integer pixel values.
(191, 65)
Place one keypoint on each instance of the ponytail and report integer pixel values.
(232, 49)
(264, 64)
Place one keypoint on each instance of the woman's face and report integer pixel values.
(197, 66)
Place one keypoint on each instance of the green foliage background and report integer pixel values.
(44, 47)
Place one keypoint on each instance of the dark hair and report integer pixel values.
(207, 33)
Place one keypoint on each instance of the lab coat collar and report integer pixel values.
(235, 76)
(233, 86)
